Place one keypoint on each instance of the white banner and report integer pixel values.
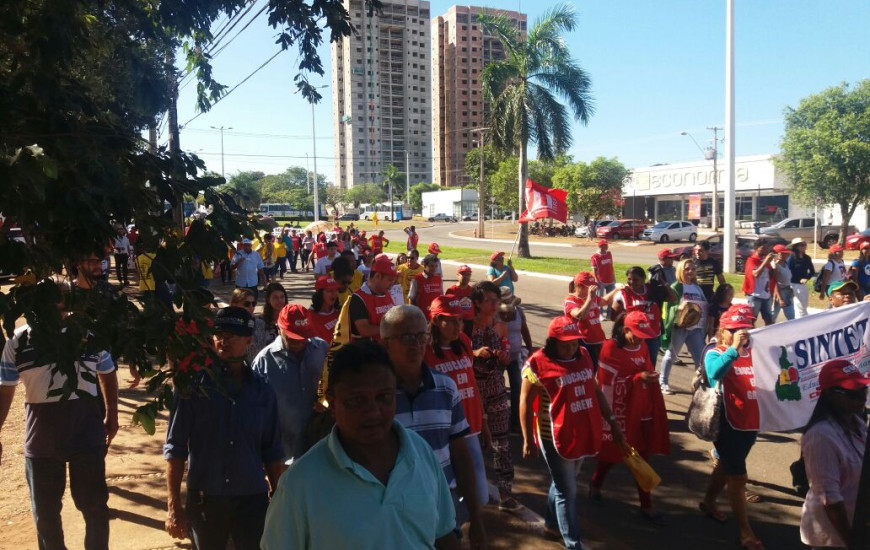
(787, 358)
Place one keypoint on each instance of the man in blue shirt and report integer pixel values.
(371, 484)
(428, 403)
(228, 428)
(249, 267)
(292, 366)
(860, 270)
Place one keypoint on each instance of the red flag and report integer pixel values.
(544, 202)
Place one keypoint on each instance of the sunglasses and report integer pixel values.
(249, 303)
(857, 395)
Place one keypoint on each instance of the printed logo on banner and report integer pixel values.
(787, 386)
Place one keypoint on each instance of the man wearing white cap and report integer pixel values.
(249, 267)
(802, 270)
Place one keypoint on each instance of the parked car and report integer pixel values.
(663, 232)
(441, 217)
(790, 228)
(621, 229)
(473, 217)
(855, 240)
(349, 217)
(745, 246)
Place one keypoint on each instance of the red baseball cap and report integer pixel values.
(447, 306)
(602, 242)
(835, 248)
(584, 278)
(495, 255)
(294, 322)
(433, 249)
(840, 373)
(383, 264)
(325, 282)
(781, 249)
(738, 316)
(865, 244)
(666, 253)
(639, 324)
(463, 269)
(564, 328)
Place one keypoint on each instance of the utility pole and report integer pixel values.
(728, 245)
(314, 150)
(152, 139)
(307, 174)
(223, 173)
(715, 153)
(481, 190)
(174, 143)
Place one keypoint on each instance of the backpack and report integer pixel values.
(817, 284)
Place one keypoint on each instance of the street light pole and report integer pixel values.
(314, 155)
(715, 151)
(223, 173)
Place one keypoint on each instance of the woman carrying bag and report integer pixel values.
(729, 364)
(559, 387)
(630, 384)
(685, 321)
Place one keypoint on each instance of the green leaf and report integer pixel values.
(145, 416)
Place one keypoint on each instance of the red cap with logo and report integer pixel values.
(325, 282)
(840, 373)
(294, 322)
(738, 316)
(781, 249)
(434, 249)
(584, 278)
(666, 253)
(494, 256)
(564, 328)
(639, 324)
(463, 269)
(865, 244)
(602, 242)
(448, 306)
(835, 248)
(383, 264)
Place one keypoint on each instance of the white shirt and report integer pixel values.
(122, 245)
(693, 293)
(762, 285)
(323, 265)
(833, 463)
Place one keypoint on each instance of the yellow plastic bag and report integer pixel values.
(646, 478)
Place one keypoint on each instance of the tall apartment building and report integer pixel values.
(460, 51)
(381, 93)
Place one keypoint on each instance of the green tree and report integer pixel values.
(492, 157)
(335, 197)
(826, 149)
(367, 193)
(594, 189)
(417, 194)
(246, 188)
(395, 178)
(81, 80)
(503, 182)
(522, 91)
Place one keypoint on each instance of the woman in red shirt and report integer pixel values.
(324, 307)
(583, 305)
(629, 381)
(450, 353)
(561, 413)
(426, 286)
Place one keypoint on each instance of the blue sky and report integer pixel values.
(657, 69)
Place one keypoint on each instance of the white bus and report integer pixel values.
(401, 211)
(279, 210)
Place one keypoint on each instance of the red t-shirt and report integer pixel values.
(319, 250)
(739, 394)
(324, 324)
(590, 324)
(458, 367)
(377, 244)
(634, 301)
(465, 303)
(428, 288)
(602, 266)
(413, 239)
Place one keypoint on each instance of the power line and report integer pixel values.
(234, 88)
(248, 24)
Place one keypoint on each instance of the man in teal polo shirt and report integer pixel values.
(371, 484)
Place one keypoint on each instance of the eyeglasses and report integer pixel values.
(412, 339)
(857, 395)
(249, 303)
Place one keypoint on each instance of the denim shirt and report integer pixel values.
(294, 380)
(228, 433)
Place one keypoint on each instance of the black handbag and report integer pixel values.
(705, 409)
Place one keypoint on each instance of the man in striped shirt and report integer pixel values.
(429, 403)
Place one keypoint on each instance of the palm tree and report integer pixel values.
(522, 88)
(392, 177)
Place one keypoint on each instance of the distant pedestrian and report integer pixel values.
(708, 269)
(501, 273)
(307, 246)
(783, 295)
(759, 281)
(602, 268)
(462, 290)
(249, 268)
(426, 286)
(122, 252)
(860, 270)
(408, 271)
(834, 269)
(413, 238)
(684, 321)
(664, 271)
(649, 298)
(802, 270)
(325, 307)
(519, 347)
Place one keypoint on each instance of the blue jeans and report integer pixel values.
(654, 345)
(604, 289)
(562, 498)
(693, 339)
(480, 484)
(763, 306)
(214, 519)
(46, 478)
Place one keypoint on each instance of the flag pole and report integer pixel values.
(511, 255)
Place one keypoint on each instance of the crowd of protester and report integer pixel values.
(363, 418)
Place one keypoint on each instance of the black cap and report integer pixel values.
(235, 320)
